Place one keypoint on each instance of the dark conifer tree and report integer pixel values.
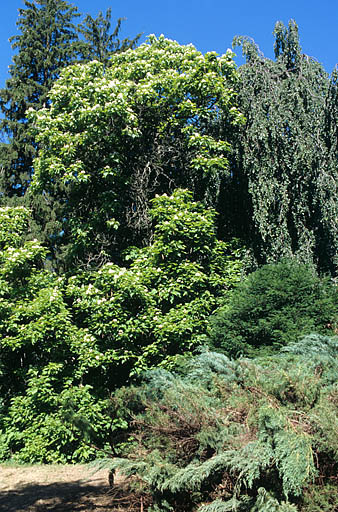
(99, 41)
(46, 43)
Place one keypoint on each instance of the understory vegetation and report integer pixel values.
(242, 434)
(168, 267)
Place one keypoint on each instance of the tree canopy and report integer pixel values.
(46, 43)
(90, 332)
(49, 40)
(114, 138)
(284, 191)
(100, 42)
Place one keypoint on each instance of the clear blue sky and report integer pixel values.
(209, 25)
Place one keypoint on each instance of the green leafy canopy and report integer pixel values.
(114, 138)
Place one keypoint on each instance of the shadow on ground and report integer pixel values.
(76, 496)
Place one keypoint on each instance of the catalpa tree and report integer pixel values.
(115, 137)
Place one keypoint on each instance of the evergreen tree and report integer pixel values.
(274, 306)
(46, 44)
(99, 42)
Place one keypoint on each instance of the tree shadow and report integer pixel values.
(77, 496)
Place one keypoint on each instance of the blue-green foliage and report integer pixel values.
(243, 435)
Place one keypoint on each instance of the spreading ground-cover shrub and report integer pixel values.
(242, 435)
(273, 306)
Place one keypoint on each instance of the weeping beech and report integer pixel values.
(283, 191)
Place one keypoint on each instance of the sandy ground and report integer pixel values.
(54, 488)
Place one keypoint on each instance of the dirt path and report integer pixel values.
(54, 489)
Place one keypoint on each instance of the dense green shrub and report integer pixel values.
(145, 314)
(238, 435)
(84, 335)
(41, 425)
(44, 357)
(274, 306)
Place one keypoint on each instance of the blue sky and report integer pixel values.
(208, 25)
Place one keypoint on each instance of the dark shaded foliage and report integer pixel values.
(282, 195)
(273, 306)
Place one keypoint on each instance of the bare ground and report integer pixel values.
(73, 488)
